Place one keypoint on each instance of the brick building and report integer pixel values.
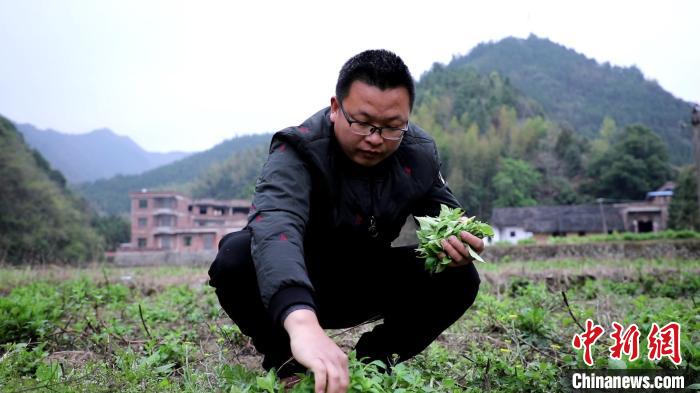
(168, 221)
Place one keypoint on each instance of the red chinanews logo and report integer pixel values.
(663, 342)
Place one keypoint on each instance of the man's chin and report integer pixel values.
(367, 161)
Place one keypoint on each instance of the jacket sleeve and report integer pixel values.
(277, 221)
(438, 193)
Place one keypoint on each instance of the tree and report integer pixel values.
(634, 164)
(233, 178)
(570, 149)
(683, 212)
(41, 220)
(515, 184)
(115, 230)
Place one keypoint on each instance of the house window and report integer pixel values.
(202, 210)
(208, 241)
(143, 203)
(582, 233)
(512, 233)
(165, 203)
(166, 242)
(165, 221)
(187, 241)
(142, 242)
(143, 222)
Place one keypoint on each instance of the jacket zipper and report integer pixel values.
(373, 231)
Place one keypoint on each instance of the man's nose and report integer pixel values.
(374, 139)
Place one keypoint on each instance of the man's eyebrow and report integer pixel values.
(387, 120)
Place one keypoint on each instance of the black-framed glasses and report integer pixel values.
(364, 129)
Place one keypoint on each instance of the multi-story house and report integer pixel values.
(168, 221)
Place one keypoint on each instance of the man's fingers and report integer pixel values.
(476, 243)
(457, 250)
(336, 375)
(334, 379)
(345, 372)
(460, 247)
(448, 246)
(320, 375)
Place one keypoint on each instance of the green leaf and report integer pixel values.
(474, 255)
(450, 222)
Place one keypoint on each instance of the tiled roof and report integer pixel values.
(550, 219)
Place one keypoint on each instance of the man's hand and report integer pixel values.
(314, 349)
(457, 250)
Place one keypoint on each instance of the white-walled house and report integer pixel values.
(512, 224)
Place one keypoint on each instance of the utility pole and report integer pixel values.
(602, 215)
(695, 120)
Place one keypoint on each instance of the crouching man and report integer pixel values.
(316, 253)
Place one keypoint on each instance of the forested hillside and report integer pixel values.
(95, 155)
(41, 220)
(233, 178)
(112, 195)
(579, 92)
(500, 149)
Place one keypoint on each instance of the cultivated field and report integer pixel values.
(103, 329)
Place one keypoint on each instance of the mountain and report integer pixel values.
(495, 143)
(41, 220)
(112, 195)
(95, 155)
(516, 122)
(579, 92)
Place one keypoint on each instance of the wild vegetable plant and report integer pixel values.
(450, 222)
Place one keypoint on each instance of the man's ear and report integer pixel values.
(335, 108)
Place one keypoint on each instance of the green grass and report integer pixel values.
(626, 236)
(102, 329)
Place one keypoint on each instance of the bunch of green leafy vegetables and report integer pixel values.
(434, 229)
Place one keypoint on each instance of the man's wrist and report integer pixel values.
(292, 308)
(301, 319)
(286, 298)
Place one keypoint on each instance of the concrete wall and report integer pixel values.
(664, 249)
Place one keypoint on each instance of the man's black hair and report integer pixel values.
(376, 67)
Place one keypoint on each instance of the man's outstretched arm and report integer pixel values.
(314, 349)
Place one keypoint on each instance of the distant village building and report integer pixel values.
(512, 224)
(168, 221)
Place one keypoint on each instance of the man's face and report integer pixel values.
(369, 104)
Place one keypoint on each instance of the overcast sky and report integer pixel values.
(177, 75)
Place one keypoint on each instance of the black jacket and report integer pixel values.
(311, 193)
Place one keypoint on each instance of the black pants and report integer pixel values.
(350, 286)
